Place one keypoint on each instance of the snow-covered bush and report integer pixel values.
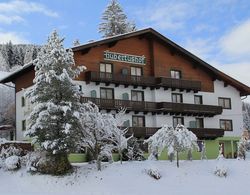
(175, 140)
(220, 168)
(32, 160)
(153, 172)
(10, 151)
(12, 162)
(133, 151)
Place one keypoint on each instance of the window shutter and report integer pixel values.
(192, 124)
(93, 93)
(125, 96)
(126, 123)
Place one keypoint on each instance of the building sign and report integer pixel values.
(127, 58)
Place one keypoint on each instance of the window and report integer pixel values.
(198, 99)
(136, 71)
(175, 74)
(176, 97)
(23, 101)
(24, 125)
(107, 68)
(138, 121)
(199, 123)
(107, 93)
(227, 125)
(178, 121)
(225, 103)
(137, 95)
(80, 88)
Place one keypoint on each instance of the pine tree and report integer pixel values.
(114, 21)
(53, 124)
(76, 42)
(246, 115)
(242, 147)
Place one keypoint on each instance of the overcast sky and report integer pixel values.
(218, 31)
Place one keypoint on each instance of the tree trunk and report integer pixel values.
(120, 154)
(55, 164)
(98, 163)
(177, 158)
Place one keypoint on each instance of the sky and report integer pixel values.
(217, 31)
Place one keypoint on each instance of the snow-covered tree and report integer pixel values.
(76, 42)
(114, 21)
(3, 64)
(203, 151)
(246, 115)
(97, 132)
(243, 146)
(119, 133)
(54, 122)
(175, 140)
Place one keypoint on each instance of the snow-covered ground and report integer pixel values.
(194, 177)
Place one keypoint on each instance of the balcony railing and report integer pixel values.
(120, 79)
(152, 82)
(179, 84)
(156, 107)
(201, 133)
(209, 133)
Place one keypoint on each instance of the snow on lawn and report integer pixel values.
(194, 177)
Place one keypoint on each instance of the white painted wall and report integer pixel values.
(159, 95)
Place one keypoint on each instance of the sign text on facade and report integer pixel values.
(127, 58)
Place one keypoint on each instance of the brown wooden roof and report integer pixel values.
(151, 33)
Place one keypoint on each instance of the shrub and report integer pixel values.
(154, 173)
(133, 151)
(13, 162)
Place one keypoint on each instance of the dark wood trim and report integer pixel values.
(201, 133)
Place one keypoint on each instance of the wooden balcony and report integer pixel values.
(178, 84)
(155, 107)
(207, 133)
(189, 109)
(201, 133)
(119, 79)
(152, 82)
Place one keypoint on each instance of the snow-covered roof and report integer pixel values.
(215, 73)
(3, 74)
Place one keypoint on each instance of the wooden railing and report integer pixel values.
(152, 82)
(201, 133)
(155, 107)
(209, 133)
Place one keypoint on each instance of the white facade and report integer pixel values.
(158, 95)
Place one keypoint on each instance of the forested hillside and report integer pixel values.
(13, 56)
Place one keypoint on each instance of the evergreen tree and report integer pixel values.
(76, 42)
(53, 124)
(114, 21)
(246, 115)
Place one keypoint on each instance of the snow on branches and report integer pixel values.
(101, 133)
(175, 140)
(55, 98)
(115, 21)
